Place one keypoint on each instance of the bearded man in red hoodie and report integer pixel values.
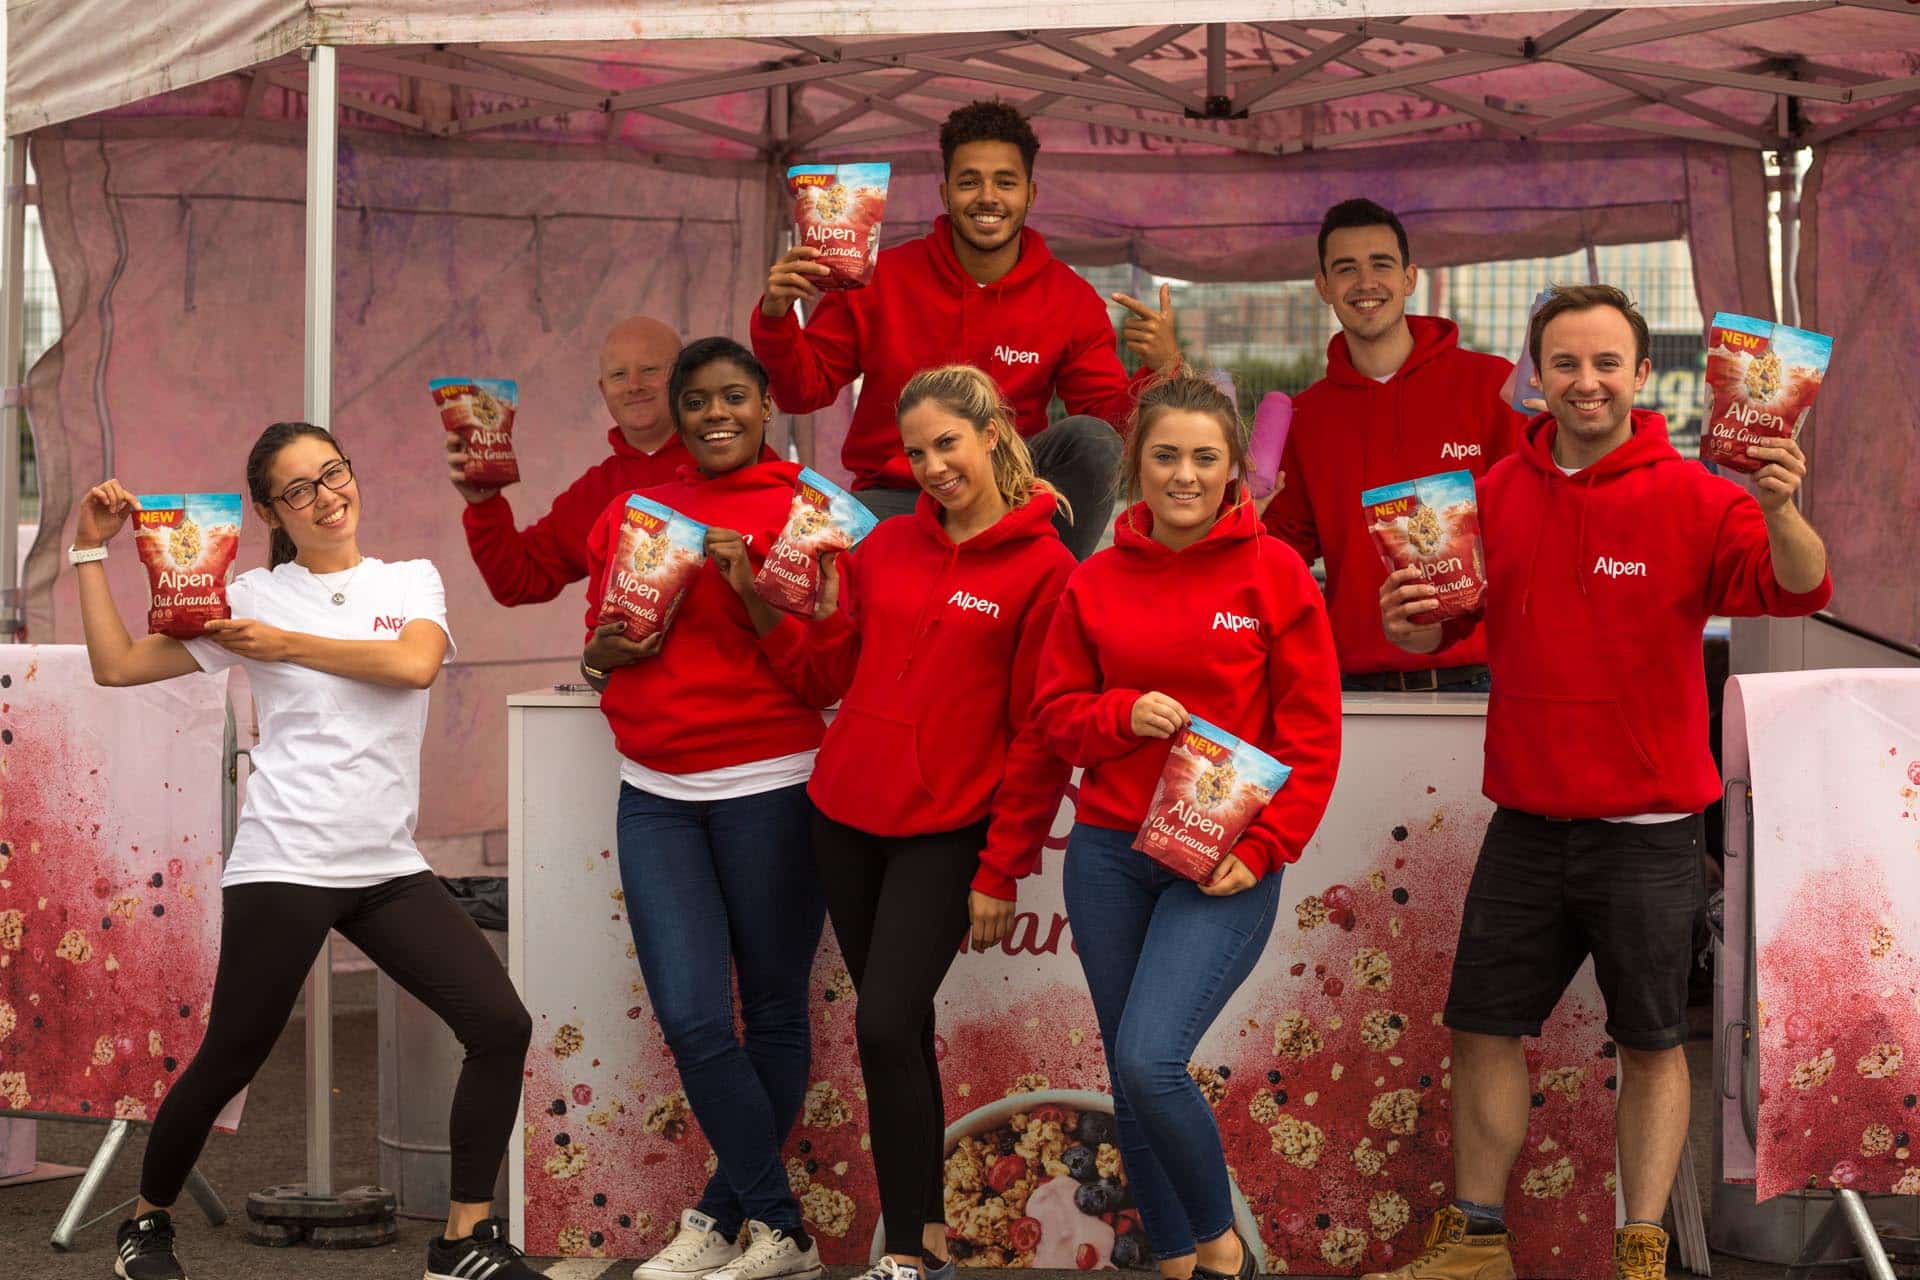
(981, 288)
(1606, 553)
(1400, 400)
(535, 564)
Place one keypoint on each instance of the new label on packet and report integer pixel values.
(1763, 378)
(824, 517)
(187, 541)
(481, 412)
(837, 209)
(1213, 785)
(1432, 524)
(655, 555)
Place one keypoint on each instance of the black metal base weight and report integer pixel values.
(358, 1218)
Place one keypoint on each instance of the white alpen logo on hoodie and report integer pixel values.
(1007, 355)
(1607, 566)
(973, 603)
(1234, 622)
(1454, 449)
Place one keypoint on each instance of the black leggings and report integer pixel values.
(899, 910)
(411, 927)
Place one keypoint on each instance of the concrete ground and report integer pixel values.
(268, 1149)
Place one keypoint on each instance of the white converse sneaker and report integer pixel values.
(697, 1250)
(772, 1255)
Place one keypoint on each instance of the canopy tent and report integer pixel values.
(509, 182)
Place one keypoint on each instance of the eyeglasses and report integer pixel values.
(302, 494)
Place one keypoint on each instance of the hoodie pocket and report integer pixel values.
(878, 779)
(1561, 745)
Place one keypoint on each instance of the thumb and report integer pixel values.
(1166, 299)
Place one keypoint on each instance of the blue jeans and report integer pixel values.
(715, 888)
(1161, 960)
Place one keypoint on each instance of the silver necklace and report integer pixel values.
(339, 597)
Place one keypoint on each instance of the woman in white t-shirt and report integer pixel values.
(340, 650)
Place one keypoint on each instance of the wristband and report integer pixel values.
(78, 556)
(591, 673)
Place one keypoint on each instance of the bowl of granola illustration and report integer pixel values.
(1035, 1180)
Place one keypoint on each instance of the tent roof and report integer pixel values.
(714, 78)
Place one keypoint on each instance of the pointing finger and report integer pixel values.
(1136, 306)
(1166, 299)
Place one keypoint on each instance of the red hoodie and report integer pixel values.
(934, 648)
(1233, 629)
(1599, 585)
(1442, 411)
(710, 698)
(535, 564)
(1038, 330)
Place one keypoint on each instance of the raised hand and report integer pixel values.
(792, 279)
(457, 471)
(103, 513)
(1148, 333)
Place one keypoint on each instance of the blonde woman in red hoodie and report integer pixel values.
(714, 856)
(933, 789)
(1192, 612)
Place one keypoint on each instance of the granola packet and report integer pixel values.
(837, 209)
(1213, 785)
(1763, 378)
(1432, 524)
(651, 567)
(187, 542)
(480, 411)
(824, 517)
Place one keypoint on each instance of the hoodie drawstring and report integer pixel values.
(1533, 560)
(1580, 543)
(921, 627)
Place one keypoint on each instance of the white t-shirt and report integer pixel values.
(730, 782)
(335, 788)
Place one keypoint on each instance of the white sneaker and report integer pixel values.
(771, 1255)
(696, 1251)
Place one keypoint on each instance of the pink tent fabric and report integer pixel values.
(1857, 283)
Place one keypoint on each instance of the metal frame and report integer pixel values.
(13, 300)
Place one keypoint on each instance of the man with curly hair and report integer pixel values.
(981, 288)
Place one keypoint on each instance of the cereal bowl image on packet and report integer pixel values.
(824, 517)
(837, 209)
(1763, 378)
(481, 411)
(187, 542)
(1211, 788)
(1035, 1180)
(655, 556)
(1432, 524)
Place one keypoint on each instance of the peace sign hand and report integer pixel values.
(1149, 334)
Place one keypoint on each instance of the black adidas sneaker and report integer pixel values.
(484, 1255)
(146, 1249)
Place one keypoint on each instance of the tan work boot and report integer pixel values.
(1452, 1254)
(1639, 1252)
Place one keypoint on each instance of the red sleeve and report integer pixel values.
(535, 564)
(1290, 515)
(1091, 378)
(817, 659)
(806, 367)
(596, 547)
(1740, 582)
(1081, 720)
(1034, 778)
(1305, 678)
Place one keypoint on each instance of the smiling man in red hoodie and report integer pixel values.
(1606, 554)
(1400, 400)
(981, 288)
(535, 564)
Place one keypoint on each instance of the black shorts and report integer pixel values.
(1546, 894)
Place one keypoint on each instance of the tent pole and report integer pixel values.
(323, 141)
(1790, 236)
(13, 321)
(1216, 61)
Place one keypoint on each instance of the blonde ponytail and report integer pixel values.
(967, 392)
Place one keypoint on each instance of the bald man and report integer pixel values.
(535, 564)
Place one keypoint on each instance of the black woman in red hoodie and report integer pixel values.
(933, 789)
(1193, 612)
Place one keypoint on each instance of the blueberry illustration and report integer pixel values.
(1096, 1127)
(1128, 1253)
(1096, 1198)
(1007, 1143)
(1080, 1163)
